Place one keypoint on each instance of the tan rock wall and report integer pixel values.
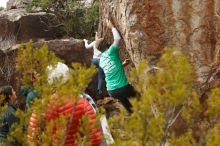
(69, 50)
(18, 26)
(149, 26)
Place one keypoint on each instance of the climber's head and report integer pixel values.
(102, 44)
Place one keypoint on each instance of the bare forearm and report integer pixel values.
(88, 46)
(115, 33)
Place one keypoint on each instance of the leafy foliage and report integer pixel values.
(166, 98)
(36, 61)
(166, 95)
(213, 136)
(33, 62)
(76, 19)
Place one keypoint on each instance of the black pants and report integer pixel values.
(123, 94)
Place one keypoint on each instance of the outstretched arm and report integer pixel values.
(115, 33)
(88, 46)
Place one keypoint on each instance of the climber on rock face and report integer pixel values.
(95, 61)
(117, 83)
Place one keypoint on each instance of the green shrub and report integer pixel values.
(166, 95)
(37, 60)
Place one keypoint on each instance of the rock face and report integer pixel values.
(149, 26)
(13, 4)
(17, 26)
(70, 50)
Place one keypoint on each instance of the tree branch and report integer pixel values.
(174, 119)
(154, 110)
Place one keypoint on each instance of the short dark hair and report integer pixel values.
(103, 45)
(6, 91)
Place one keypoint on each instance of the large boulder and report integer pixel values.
(70, 50)
(147, 27)
(73, 50)
(18, 26)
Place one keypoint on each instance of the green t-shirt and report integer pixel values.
(112, 66)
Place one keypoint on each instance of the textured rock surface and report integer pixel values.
(73, 50)
(12, 4)
(70, 50)
(17, 26)
(149, 26)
